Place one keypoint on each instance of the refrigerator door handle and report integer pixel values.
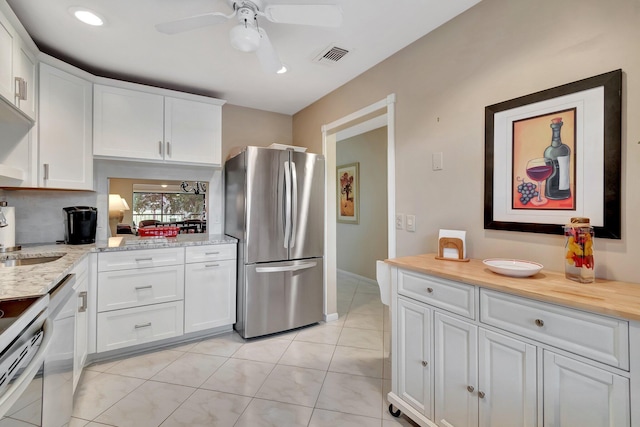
(280, 269)
(287, 204)
(294, 204)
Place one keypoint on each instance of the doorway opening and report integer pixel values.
(378, 114)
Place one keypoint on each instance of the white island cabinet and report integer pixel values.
(467, 356)
(156, 125)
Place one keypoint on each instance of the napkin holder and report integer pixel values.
(453, 243)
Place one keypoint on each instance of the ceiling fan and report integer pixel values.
(248, 36)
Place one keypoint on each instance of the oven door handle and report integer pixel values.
(18, 387)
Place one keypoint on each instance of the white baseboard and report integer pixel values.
(356, 277)
(331, 317)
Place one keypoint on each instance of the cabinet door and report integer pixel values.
(192, 131)
(6, 60)
(456, 372)
(210, 295)
(81, 344)
(577, 394)
(25, 69)
(128, 124)
(66, 158)
(507, 378)
(414, 355)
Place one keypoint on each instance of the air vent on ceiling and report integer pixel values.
(331, 55)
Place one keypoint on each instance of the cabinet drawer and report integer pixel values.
(124, 260)
(132, 288)
(590, 335)
(210, 253)
(453, 296)
(131, 326)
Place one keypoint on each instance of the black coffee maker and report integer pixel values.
(80, 224)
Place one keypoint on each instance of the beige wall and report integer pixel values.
(497, 50)
(360, 245)
(243, 126)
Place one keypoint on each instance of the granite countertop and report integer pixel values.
(38, 279)
(609, 297)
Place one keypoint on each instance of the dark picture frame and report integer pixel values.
(597, 184)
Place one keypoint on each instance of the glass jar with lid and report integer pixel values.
(579, 262)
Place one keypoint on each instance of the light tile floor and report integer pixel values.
(331, 374)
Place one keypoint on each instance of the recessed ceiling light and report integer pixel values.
(87, 16)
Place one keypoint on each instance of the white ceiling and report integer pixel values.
(202, 61)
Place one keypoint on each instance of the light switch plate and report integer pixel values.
(411, 223)
(437, 161)
(399, 221)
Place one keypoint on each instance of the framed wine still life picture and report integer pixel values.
(348, 180)
(553, 155)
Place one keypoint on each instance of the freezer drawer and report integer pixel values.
(279, 296)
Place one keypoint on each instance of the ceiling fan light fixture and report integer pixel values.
(245, 38)
(87, 16)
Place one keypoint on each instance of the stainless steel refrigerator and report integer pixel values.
(274, 206)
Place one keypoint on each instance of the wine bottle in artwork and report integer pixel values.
(558, 185)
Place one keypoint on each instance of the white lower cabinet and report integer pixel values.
(81, 342)
(153, 294)
(453, 370)
(577, 394)
(456, 371)
(414, 355)
(139, 325)
(210, 287)
(507, 381)
(140, 297)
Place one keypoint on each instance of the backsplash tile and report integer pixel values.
(39, 216)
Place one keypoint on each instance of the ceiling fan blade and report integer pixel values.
(269, 60)
(193, 22)
(322, 15)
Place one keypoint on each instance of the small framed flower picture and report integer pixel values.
(349, 193)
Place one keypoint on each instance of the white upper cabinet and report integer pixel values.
(17, 71)
(66, 159)
(192, 131)
(137, 125)
(6, 59)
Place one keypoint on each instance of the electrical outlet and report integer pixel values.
(411, 223)
(399, 221)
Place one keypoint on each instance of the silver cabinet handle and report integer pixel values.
(425, 363)
(160, 148)
(142, 325)
(46, 171)
(539, 322)
(144, 259)
(168, 149)
(83, 297)
(139, 288)
(430, 290)
(21, 88)
(481, 394)
(211, 265)
(470, 388)
(212, 253)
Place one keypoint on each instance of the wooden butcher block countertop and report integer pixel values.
(613, 298)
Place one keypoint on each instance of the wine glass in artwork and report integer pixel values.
(539, 170)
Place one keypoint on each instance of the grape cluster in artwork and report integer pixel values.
(527, 191)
